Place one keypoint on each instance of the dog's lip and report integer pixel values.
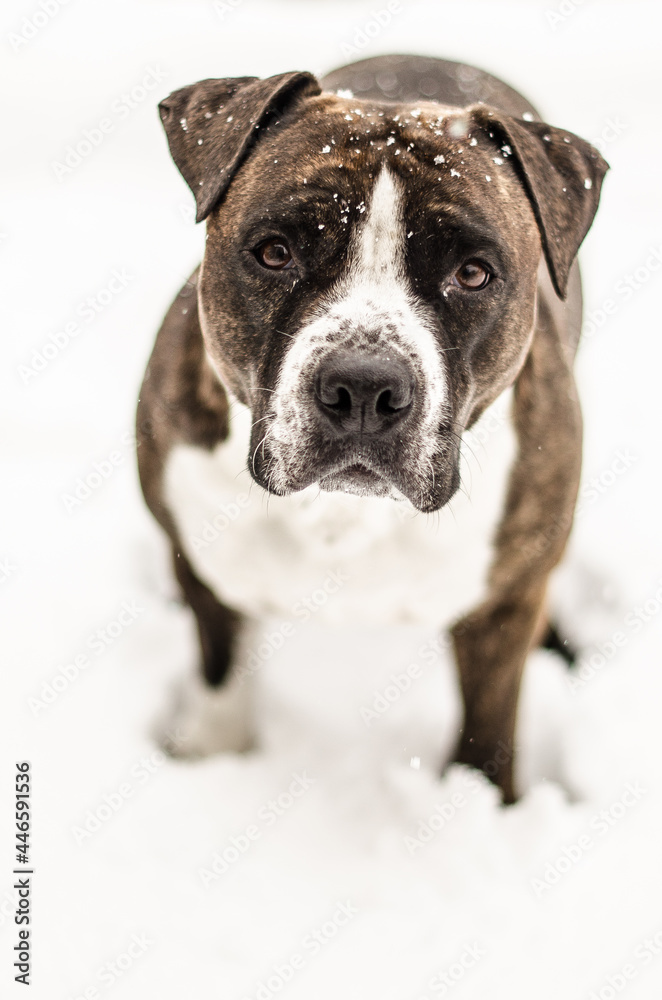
(360, 467)
(357, 470)
(367, 473)
(357, 466)
(356, 477)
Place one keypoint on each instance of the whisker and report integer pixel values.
(462, 490)
(255, 452)
(449, 506)
(270, 474)
(464, 443)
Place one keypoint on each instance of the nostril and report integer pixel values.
(383, 404)
(389, 402)
(340, 400)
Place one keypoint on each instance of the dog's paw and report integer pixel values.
(208, 720)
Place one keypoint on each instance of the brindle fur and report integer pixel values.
(184, 402)
(551, 205)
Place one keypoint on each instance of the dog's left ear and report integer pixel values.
(562, 175)
(212, 125)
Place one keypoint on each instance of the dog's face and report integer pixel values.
(369, 280)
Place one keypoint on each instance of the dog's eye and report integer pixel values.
(274, 254)
(472, 276)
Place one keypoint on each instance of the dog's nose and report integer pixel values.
(361, 394)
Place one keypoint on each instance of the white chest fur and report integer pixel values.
(342, 558)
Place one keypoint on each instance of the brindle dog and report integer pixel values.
(388, 252)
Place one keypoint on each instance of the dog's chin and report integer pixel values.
(364, 479)
(360, 481)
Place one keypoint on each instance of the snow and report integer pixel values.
(338, 866)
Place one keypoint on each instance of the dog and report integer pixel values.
(390, 266)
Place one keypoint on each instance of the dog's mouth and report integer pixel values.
(357, 479)
(390, 470)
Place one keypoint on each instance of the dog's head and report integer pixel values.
(369, 280)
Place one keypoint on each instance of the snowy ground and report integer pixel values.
(325, 864)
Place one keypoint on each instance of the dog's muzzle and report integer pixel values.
(360, 421)
(361, 404)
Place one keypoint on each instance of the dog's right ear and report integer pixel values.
(211, 126)
(562, 175)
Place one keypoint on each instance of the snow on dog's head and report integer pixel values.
(369, 281)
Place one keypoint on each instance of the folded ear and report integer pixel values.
(562, 175)
(211, 126)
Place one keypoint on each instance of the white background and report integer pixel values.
(593, 69)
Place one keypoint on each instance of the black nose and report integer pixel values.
(360, 394)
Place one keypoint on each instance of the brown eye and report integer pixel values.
(274, 254)
(472, 275)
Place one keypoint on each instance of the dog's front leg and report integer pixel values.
(491, 647)
(214, 708)
(492, 642)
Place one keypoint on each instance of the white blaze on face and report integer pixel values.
(371, 309)
(381, 240)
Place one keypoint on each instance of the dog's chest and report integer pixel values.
(334, 556)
